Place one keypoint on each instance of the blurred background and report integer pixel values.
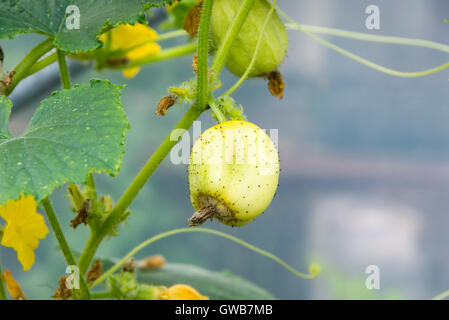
(364, 157)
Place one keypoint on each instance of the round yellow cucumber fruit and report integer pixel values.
(233, 173)
(274, 45)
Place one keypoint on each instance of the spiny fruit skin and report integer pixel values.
(274, 45)
(233, 173)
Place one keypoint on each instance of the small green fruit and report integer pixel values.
(233, 173)
(274, 45)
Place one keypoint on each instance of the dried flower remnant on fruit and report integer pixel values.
(276, 84)
(13, 287)
(164, 104)
(192, 20)
(181, 292)
(62, 293)
(95, 271)
(82, 215)
(151, 263)
(129, 266)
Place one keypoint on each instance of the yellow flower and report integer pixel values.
(14, 289)
(135, 38)
(181, 292)
(24, 229)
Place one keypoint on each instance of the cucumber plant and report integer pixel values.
(80, 131)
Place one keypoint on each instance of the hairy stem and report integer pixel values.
(142, 177)
(202, 230)
(233, 31)
(63, 245)
(216, 110)
(203, 54)
(21, 70)
(130, 194)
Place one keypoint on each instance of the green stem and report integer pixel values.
(216, 110)
(149, 241)
(160, 56)
(85, 294)
(130, 194)
(91, 184)
(63, 70)
(21, 70)
(370, 37)
(43, 63)
(191, 115)
(171, 35)
(203, 54)
(256, 52)
(231, 34)
(63, 245)
(103, 295)
(162, 37)
(361, 36)
(2, 287)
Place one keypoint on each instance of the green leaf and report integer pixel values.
(5, 113)
(49, 17)
(72, 133)
(215, 285)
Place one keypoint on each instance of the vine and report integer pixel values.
(198, 92)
